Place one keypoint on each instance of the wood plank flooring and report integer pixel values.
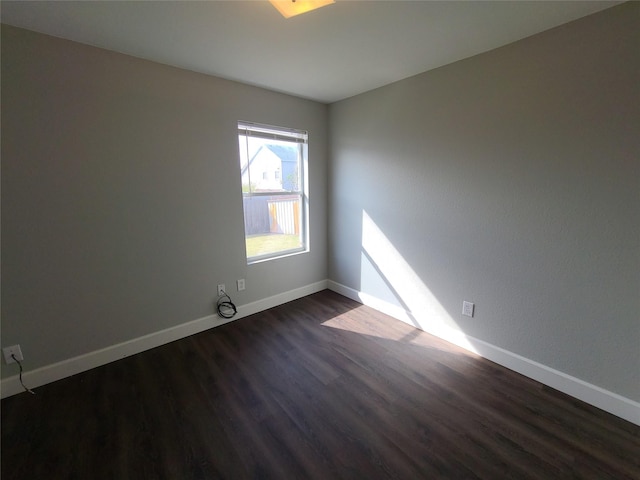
(319, 388)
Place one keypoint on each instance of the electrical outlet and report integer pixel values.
(467, 308)
(14, 350)
(241, 284)
(221, 289)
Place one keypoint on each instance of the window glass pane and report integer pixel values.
(269, 165)
(272, 170)
(272, 224)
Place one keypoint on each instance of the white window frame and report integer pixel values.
(289, 135)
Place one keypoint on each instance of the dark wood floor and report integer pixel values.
(319, 388)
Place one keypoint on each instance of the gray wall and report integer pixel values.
(121, 198)
(510, 179)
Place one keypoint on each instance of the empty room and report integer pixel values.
(320, 239)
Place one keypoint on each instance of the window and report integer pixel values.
(274, 193)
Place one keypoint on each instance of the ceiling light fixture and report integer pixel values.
(290, 8)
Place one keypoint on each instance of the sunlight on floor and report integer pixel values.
(390, 285)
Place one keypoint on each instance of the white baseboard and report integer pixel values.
(66, 368)
(608, 401)
(599, 397)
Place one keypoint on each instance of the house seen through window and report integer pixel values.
(273, 169)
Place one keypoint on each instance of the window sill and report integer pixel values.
(256, 260)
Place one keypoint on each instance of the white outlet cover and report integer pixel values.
(13, 350)
(467, 308)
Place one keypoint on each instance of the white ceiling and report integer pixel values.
(326, 55)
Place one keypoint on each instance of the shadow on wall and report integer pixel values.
(389, 284)
(396, 289)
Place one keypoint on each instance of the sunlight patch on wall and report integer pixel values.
(389, 284)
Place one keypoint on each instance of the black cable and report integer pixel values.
(226, 308)
(23, 385)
